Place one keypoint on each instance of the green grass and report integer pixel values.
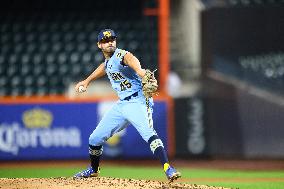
(225, 178)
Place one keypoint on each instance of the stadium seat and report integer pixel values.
(43, 52)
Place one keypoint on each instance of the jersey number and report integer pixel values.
(124, 85)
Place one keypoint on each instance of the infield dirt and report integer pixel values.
(90, 183)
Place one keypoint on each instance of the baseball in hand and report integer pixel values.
(81, 89)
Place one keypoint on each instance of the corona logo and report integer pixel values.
(107, 34)
(37, 118)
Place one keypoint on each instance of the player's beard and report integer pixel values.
(109, 49)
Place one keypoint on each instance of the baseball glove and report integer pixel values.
(149, 84)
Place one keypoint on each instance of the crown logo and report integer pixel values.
(37, 118)
(107, 34)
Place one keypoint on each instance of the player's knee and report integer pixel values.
(95, 140)
(155, 142)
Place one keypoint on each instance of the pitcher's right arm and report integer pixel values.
(99, 72)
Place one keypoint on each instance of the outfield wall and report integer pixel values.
(55, 129)
(240, 126)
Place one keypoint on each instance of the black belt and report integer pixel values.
(129, 97)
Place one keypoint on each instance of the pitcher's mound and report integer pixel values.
(93, 183)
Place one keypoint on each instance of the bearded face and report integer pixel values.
(108, 45)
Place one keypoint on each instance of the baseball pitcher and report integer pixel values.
(135, 87)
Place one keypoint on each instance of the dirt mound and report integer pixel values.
(97, 183)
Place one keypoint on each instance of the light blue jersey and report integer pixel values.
(124, 80)
(132, 108)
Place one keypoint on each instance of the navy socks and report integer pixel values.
(95, 154)
(157, 147)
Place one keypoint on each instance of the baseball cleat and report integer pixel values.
(172, 173)
(89, 172)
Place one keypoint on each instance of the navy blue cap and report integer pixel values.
(106, 33)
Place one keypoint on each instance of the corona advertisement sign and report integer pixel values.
(44, 131)
(61, 131)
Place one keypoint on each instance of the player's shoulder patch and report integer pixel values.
(121, 53)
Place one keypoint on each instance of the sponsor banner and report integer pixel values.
(191, 137)
(45, 131)
(61, 131)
